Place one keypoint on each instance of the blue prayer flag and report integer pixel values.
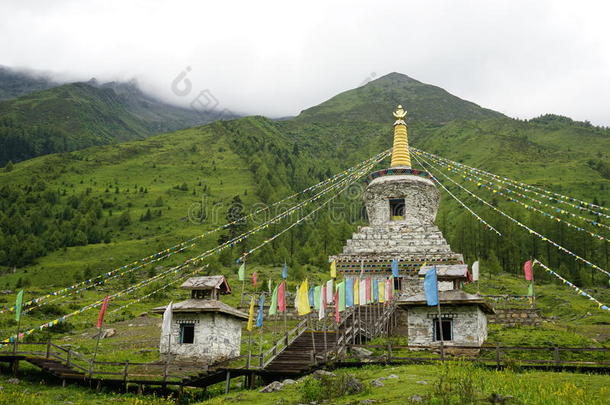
(394, 268)
(311, 296)
(261, 306)
(375, 291)
(285, 271)
(349, 292)
(431, 287)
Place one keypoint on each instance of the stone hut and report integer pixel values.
(203, 328)
(463, 319)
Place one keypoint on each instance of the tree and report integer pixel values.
(124, 220)
(8, 167)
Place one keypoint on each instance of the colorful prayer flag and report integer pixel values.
(310, 296)
(475, 271)
(273, 305)
(395, 267)
(349, 292)
(250, 315)
(528, 270)
(303, 307)
(333, 269)
(18, 302)
(261, 307)
(316, 297)
(341, 288)
(381, 288)
(375, 285)
(431, 287)
(322, 302)
(285, 271)
(241, 272)
(100, 318)
(254, 279)
(530, 290)
(330, 291)
(337, 309)
(368, 290)
(362, 292)
(356, 283)
(281, 297)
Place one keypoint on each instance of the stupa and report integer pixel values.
(401, 204)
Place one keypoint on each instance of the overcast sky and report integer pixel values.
(275, 58)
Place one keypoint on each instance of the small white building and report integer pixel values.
(203, 328)
(463, 319)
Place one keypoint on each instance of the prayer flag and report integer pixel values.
(322, 302)
(261, 307)
(269, 285)
(530, 290)
(100, 318)
(330, 291)
(431, 287)
(333, 269)
(362, 291)
(395, 267)
(475, 271)
(273, 305)
(356, 291)
(303, 307)
(316, 297)
(250, 315)
(528, 270)
(254, 279)
(381, 288)
(296, 299)
(368, 290)
(285, 271)
(18, 303)
(281, 297)
(375, 290)
(166, 326)
(310, 296)
(241, 273)
(349, 292)
(341, 289)
(337, 309)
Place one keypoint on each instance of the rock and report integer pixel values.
(110, 332)
(13, 380)
(378, 382)
(367, 401)
(353, 385)
(288, 381)
(273, 387)
(416, 398)
(320, 373)
(422, 382)
(392, 376)
(361, 352)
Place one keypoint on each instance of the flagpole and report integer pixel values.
(97, 345)
(440, 321)
(533, 291)
(17, 334)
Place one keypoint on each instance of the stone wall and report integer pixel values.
(515, 316)
(217, 337)
(469, 325)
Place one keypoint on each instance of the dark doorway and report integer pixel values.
(447, 328)
(187, 333)
(397, 209)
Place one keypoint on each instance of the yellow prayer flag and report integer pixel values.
(303, 299)
(357, 291)
(251, 315)
(381, 284)
(333, 269)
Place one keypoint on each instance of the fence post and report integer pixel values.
(227, 382)
(68, 357)
(389, 352)
(48, 349)
(556, 355)
(125, 374)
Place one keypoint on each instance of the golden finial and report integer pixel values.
(400, 149)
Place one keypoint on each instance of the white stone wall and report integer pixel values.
(469, 325)
(415, 285)
(217, 337)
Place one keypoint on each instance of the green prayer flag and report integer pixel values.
(273, 306)
(530, 290)
(316, 297)
(241, 273)
(341, 288)
(18, 303)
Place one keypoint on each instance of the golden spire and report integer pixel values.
(400, 149)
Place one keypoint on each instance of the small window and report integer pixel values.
(447, 328)
(397, 283)
(397, 209)
(187, 333)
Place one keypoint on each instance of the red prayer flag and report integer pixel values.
(368, 290)
(337, 313)
(254, 279)
(100, 318)
(281, 297)
(527, 269)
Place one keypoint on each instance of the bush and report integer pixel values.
(327, 387)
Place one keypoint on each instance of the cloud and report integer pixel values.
(276, 58)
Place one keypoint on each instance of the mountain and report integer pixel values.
(371, 103)
(78, 115)
(15, 83)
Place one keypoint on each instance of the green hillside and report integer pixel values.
(78, 115)
(15, 83)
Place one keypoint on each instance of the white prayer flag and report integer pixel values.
(475, 271)
(362, 292)
(166, 326)
(322, 303)
(330, 291)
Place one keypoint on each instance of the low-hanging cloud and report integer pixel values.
(276, 58)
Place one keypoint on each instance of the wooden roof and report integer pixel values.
(450, 297)
(201, 306)
(446, 272)
(207, 283)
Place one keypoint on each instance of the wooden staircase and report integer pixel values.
(56, 368)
